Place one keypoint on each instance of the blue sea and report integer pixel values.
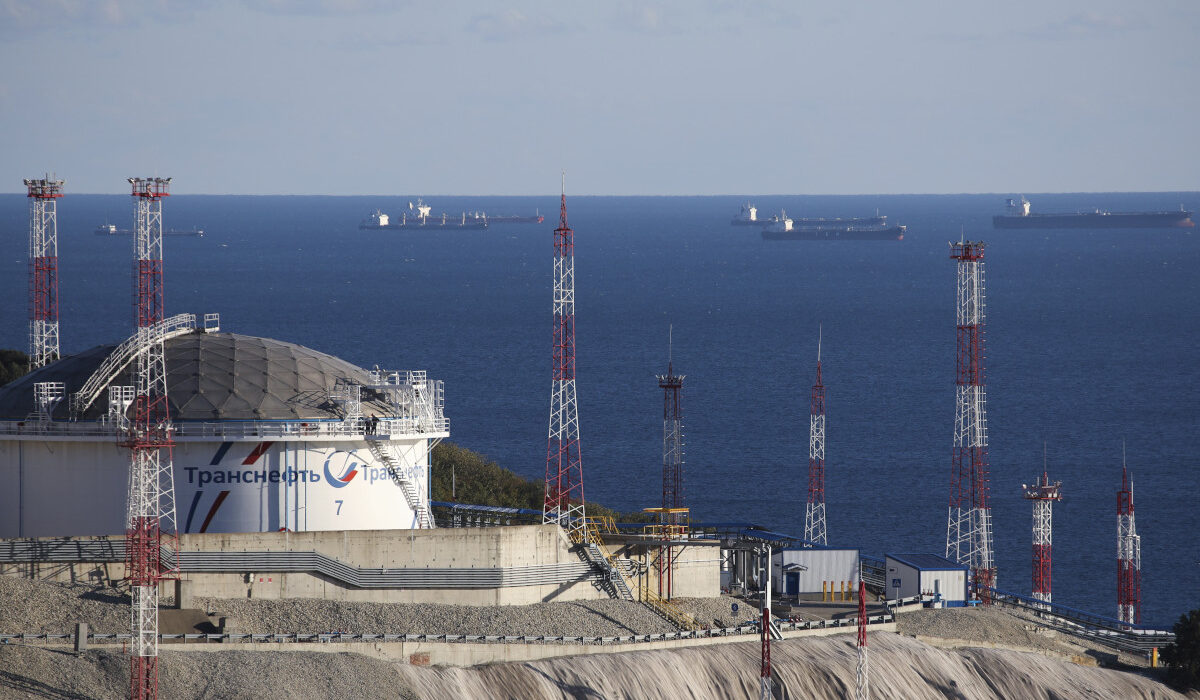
(1093, 341)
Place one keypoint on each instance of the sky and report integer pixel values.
(680, 97)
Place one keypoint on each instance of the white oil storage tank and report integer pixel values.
(267, 436)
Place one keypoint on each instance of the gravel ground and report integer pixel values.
(36, 606)
(32, 672)
(1004, 626)
(592, 618)
(39, 606)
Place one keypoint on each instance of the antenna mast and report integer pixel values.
(1129, 553)
(151, 528)
(564, 470)
(672, 496)
(969, 524)
(1043, 494)
(814, 516)
(43, 270)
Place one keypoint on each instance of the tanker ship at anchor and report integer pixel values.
(1018, 215)
(748, 216)
(423, 219)
(782, 228)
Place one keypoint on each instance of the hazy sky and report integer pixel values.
(682, 97)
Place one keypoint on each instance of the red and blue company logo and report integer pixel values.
(347, 475)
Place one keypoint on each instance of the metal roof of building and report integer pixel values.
(214, 377)
(928, 562)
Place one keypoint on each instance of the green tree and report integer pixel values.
(1183, 656)
(458, 474)
(468, 477)
(13, 364)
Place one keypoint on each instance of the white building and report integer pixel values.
(926, 574)
(804, 570)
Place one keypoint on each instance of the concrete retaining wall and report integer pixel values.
(464, 549)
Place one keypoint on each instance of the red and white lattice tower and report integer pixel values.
(765, 684)
(1043, 494)
(564, 469)
(150, 548)
(969, 525)
(43, 270)
(862, 689)
(1129, 556)
(814, 515)
(672, 495)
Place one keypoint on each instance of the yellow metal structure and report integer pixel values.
(591, 532)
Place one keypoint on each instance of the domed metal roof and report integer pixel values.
(214, 376)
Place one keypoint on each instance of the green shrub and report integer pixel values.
(1183, 656)
(477, 481)
(13, 364)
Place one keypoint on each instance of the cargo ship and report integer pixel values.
(112, 230)
(748, 216)
(1018, 215)
(379, 221)
(781, 228)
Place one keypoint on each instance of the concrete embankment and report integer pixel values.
(900, 667)
(820, 667)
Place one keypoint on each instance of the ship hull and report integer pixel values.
(479, 225)
(1097, 220)
(516, 219)
(199, 233)
(895, 233)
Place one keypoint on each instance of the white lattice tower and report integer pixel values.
(814, 515)
(969, 522)
(862, 690)
(151, 542)
(563, 502)
(1043, 494)
(43, 270)
(1129, 556)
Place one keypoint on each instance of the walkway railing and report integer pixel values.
(593, 529)
(848, 624)
(1106, 630)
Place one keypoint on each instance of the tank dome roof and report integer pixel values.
(214, 377)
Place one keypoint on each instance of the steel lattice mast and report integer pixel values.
(814, 516)
(862, 688)
(151, 542)
(969, 524)
(672, 495)
(564, 469)
(1129, 555)
(765, 684)
(1043, 494)
(43, 270)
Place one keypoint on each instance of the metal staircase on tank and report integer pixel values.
(618, 578)
(382, 452)
(419, 402)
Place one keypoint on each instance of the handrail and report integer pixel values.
(1106, 630)
(108, 370)
(675, 615)
(249, 429)
(849, 624)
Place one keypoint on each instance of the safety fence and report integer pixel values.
(848, 624)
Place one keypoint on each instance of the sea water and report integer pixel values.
(1092, 342)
